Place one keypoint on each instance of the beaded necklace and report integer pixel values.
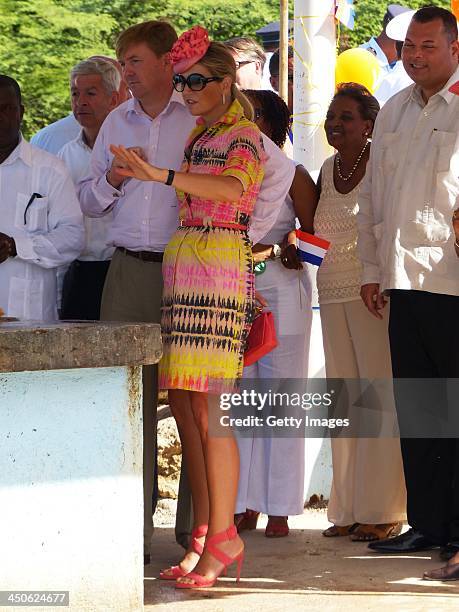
(354, 167)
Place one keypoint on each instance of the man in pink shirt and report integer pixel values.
(145, 214)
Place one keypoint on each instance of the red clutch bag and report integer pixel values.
(261, 339)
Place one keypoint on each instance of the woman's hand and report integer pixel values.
(289, 257)
(260, 301)
(135, 166)
(261, 252)
(114, 177)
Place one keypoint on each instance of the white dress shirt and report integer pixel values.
(372, 47)
(145, 212)
(54, 136)
(409, 192)
(393, 82)
(77, 157)
(48, 233)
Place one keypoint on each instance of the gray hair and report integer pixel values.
(248, 47)
(110, 75)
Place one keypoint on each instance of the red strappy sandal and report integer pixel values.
(175, 571)
(212, 542)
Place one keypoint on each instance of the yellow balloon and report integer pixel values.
(358, 66)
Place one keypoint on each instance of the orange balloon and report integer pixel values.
(455, 8)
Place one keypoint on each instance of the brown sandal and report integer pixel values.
(370, 533)
(336, 531)
(246, 520)
(277, 527)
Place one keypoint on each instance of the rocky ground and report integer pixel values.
(169, 455)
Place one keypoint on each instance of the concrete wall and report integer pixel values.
(71, 485)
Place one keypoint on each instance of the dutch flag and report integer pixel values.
(311, 248)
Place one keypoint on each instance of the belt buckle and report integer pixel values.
(182, 223)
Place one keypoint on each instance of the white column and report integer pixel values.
(314, 85)
(314, 80)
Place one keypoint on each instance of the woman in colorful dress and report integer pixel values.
(271, 476)
(208, 293)
(368, 496)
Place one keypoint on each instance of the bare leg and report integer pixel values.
(193, 453)
(222, 467)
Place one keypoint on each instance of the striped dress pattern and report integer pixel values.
(208, 271)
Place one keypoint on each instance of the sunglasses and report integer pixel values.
(195, 81)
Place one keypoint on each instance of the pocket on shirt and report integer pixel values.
(388, 145)
(432, 226)
(433, 232)
(33, 218)
(443, 144)
(25, 299)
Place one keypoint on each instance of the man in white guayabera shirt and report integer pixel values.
(94, 86)
(146, 213)
(41, 226)
(407, 248)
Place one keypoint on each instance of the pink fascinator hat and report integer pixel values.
(189, 48)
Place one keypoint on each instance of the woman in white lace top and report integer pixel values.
(368, 498)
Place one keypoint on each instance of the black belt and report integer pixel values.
(143, 255)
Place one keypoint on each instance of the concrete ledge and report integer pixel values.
(35, 345)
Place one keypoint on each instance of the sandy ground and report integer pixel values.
(304, 571)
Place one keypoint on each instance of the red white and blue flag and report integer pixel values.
(311, 249)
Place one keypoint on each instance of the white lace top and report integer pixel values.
(339, 276)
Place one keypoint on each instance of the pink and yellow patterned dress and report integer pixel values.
(208, 271)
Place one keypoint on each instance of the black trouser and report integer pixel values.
(424, 341)
(82, 290)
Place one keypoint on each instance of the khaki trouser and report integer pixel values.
(132, 292)
(368, 482)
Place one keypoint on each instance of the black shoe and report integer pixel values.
(447, 552)
(411, 541)
(146, 559)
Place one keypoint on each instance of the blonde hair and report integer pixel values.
(159, 36)
(220, 63)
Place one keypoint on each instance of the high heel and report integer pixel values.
(175, 571)
(200, 581)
